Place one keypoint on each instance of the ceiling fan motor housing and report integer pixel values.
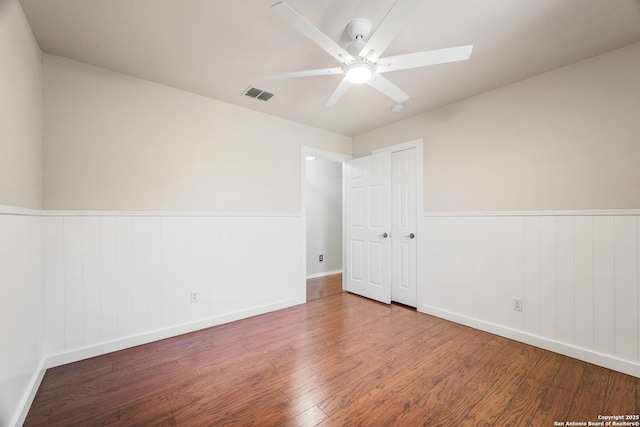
(359, 29)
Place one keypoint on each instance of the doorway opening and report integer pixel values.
(322, 221)
(323, 204)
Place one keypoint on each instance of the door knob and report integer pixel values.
(383, 235)
(410, 236)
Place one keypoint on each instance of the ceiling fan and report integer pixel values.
(361, 59)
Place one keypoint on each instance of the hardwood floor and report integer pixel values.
(324, 286)
(337, 360)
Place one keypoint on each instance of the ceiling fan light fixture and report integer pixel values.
(359, 72)
(361, 60)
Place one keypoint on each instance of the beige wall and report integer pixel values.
(113, 142)
(20, 110)
(565, 140)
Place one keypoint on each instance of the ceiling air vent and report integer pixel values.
(258, 93)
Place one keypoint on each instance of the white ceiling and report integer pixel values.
(217, 48)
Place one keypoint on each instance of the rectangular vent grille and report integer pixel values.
(258, 94)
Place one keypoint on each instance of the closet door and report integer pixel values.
(404, 228)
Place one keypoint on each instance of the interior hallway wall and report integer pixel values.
(324, 216)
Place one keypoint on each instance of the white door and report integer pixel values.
(368, 187)
(403, 229)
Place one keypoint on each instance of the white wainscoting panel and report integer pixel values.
(21, 313)
(117, 280)
(577, 275)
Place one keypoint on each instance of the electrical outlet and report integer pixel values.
(517, 304)
(321, 258)
(195, 296)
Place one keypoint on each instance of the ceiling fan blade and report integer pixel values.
(422, 59)
(390, 26)
(306, 28)
(308, 73)
(337, 94)
(386, 87)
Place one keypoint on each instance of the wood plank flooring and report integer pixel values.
(339, 360)
(324, 286)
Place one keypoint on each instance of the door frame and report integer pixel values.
(418, 145)
(343, 158)
(304, 194)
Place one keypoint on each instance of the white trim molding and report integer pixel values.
(573, 351)
(160, 334)
(414, 143)
(170, 214)
(30, 394)
(322, 274)
(592, 212)
(15, 210)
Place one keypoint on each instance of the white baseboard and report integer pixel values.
(585, 355)
(30, 394)
(324, 273)
(160, 334)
